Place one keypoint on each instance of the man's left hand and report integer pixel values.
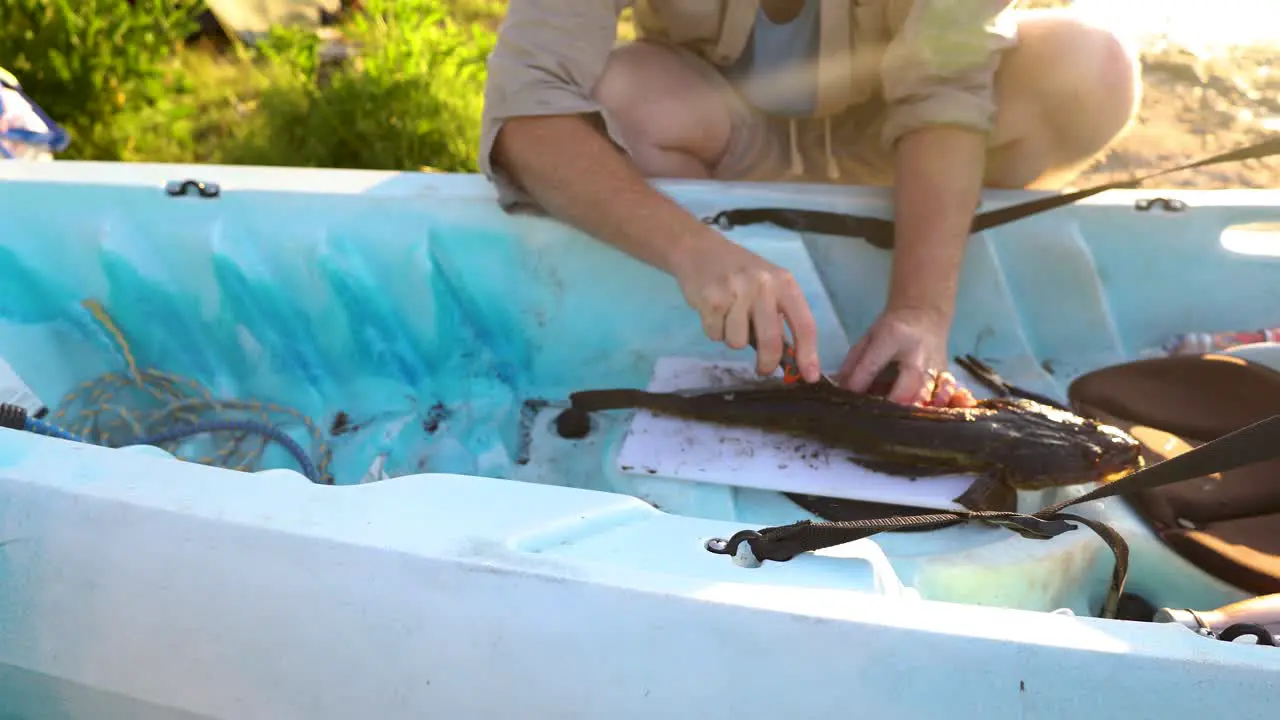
(917, 340)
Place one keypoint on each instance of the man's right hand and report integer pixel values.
(735, 291)
(571, 169)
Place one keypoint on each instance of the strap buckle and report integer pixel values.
(1032, 527)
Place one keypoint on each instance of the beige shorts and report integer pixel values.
(760, 145)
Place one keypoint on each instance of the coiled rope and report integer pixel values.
(145, 406)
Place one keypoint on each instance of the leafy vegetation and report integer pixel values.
(123, 81)
(87, 62)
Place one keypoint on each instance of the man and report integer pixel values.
(937, 97)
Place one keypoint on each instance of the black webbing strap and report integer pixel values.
(1259, 442)
(879, 232)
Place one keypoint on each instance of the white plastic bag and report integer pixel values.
(26, 132)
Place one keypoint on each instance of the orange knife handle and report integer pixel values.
(790, 367)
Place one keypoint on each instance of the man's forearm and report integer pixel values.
(573, 171)
(938, 184)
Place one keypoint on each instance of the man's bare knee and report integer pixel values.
(1067, 92)
(1099, 80)
(664, 110)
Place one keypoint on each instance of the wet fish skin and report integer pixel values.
(1020, 444)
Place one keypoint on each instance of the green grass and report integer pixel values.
(88, 61)
(412, 97)
(119, 79)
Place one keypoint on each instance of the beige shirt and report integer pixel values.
(932, 62)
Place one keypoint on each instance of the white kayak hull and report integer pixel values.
(503, 571)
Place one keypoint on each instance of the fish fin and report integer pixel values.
(989, 494)
(903, 468)
(841, 510)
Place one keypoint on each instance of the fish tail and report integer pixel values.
(623, 399)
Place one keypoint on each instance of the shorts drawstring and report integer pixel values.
(833, 168)
(797, 158)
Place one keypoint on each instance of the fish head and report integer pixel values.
(1054, 448)
(1119, 453)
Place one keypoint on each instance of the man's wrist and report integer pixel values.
(935, 311)
(939, 182)
(925, 277)
(685, 245)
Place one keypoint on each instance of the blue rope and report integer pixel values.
(41, 427)
(250, 426)
(144, 406)
(309, 469)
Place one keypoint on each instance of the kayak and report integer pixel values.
(443, 547)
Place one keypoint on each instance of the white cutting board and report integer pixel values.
(660, 445)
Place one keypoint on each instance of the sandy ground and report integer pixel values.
(1195, 104)
(1195, 107)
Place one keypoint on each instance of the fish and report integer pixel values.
(1010, 444)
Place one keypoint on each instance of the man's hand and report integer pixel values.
(736, 291)
(938, 181)
(917, 341)
(570, 168)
